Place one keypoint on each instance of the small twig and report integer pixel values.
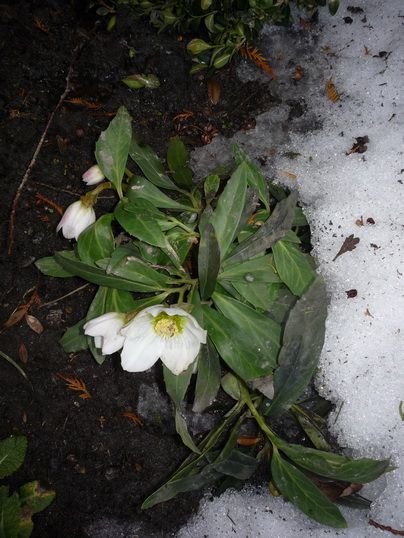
(32, 163)
(57, 189)
(385, 528)
(64, 296)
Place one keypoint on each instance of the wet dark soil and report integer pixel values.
(100, 464)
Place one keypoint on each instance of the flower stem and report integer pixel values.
(258, 418)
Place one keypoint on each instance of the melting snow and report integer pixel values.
(362, 361)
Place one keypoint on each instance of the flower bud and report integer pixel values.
(93, 175)
(106, 331)
(77, 217)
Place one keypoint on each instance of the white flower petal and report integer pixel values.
(98, 341)
(180, 352)
(140, 354)
(137, 327)
(93, 175)
(113, 344)
(76, 219)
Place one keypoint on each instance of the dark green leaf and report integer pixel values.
(138, 81)
(278, 224)
(177, 385)
(141, 224)
(97, 241)
(231, 385)
(112, 148)
(254, 175)
(334, 466)
(293, 267)
(211, 186)
(48, 266)
(120, 301)
(93, 274)
(177, 160)
(302, 343)
(74, 338)
(12, 454)
(208, 379)
(229, 209)
(259, 294)
(208, 261)
(10, 516)
(34, 497)
(312, 430)
(131, 268)
(232, 347)
(260, 269)
(237, 464)
(298, 489)
(259, 332)
(150, 165)
(182, 430)
(140, 187)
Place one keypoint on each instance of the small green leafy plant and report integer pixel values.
(17, 509)
(212, 279)
(228, 24)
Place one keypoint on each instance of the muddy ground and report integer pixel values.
(100, 463)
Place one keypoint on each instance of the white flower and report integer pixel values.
(106, 331)
(77, 217)
(170, 334)
(93, 175)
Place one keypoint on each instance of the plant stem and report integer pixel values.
(258, 418)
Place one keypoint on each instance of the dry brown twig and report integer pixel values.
(38, 148)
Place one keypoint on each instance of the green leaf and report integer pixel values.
(208, 378)
(208, 261)
(278, 224)
(128, 266)
(97, 241)
(237, 464)
(182, 430)
(10, 515)
(12, 454)
(229, 209)
(120, 301)
(334, 466)
(112, 148)
(74, 338)
(260, 269)
(48, 266)
(313, 432)
(303, 340)
(34, 497)
(138, 81)
(298, 489)
(333, 6)
(93, 274)
(259, 294)
(177, 385)
(231, 385)
(232, 346)
(140, 187)
(293, 267)
(141, 224)
(177, 160)
(151, 166)
(25, 526)
(254, 175)
(13, 363)
(211, 186)
(259, 332)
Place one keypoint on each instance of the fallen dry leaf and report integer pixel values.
(41, 25)
(348, 245)
(23, 353)
(360, 145)
(289, 175)
(214, 90)
(23, 309)
(34, 323)
(351, 293)
(298, 73)
(248, 441)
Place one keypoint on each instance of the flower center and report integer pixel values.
(168, 326)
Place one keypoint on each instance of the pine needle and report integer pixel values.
(257, 57)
